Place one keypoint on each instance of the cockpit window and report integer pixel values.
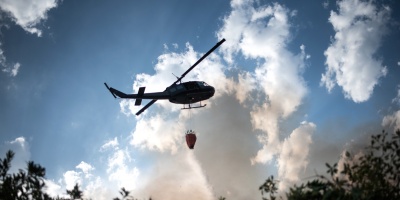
(191, 85)
(205, 84)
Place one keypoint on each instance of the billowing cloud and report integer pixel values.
(161, 134)
(71, 178)
(263, 33)
(350, 59)
(178, 176)
(293, 159)
(53, 189)
(86, 168)
(262, 97)
(28, 14)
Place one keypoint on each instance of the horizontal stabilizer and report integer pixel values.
(139, 95)
(146, 106)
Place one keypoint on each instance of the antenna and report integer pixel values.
(177, 77)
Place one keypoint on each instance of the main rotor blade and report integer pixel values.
(146, 106)
(201, 59)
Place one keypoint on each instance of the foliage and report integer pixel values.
(269, 186)
(373, 175)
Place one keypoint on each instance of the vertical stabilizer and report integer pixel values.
(139, 95)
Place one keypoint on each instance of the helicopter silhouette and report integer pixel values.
(179, 93)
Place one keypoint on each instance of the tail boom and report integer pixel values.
(139, 96)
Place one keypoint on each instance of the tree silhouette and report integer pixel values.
(125, 195)
(373, 175)
(26, 184)
(75, 193)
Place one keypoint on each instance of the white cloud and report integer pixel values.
(350, 61)
(71, 178)
(325, 4)
(157, 133)
(53, 189)
(110, 144)
(98, 189)
(10, 69)
(28, 14)
(19, 141)
(14, 70)
(92, 187)
(86, 168)
(119, 172)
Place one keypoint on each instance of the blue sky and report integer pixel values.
(297, 83)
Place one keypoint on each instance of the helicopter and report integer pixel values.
(185, 93)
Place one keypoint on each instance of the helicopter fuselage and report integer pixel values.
(190, 92)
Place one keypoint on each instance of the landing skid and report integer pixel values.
(190, 107)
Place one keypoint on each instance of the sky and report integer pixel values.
(297, 84)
